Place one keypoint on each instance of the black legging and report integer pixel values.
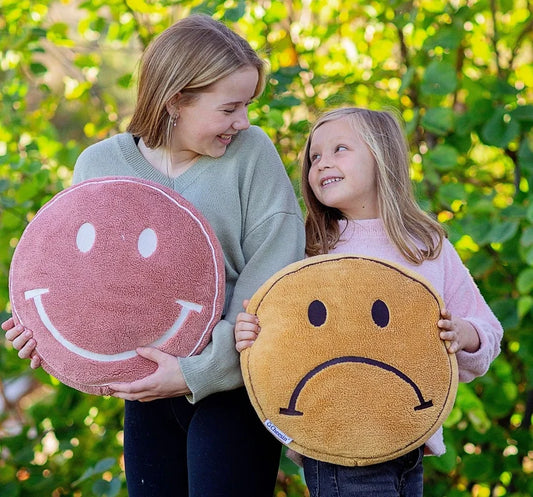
(215, 448)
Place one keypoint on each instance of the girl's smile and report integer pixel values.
(327, 181)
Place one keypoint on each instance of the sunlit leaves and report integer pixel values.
(461, 75)
(58, 33)
(446, 38)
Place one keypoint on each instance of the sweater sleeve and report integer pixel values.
(463, 299)
(271, 237)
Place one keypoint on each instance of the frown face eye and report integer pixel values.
(380, 313)
(317, 313)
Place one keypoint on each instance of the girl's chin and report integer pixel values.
(220, 148)
(218, 152)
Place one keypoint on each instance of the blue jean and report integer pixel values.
(214, 448)
(401, 477)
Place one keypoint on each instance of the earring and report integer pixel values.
(175, 119)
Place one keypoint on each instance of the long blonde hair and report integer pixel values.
(186, 58)
(417, 235)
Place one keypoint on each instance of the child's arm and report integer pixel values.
(464, 302)
(460, 334)
(246, 329)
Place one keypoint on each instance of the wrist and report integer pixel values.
(471, 337)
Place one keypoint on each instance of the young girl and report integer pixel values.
(199, 435)
(359, 199)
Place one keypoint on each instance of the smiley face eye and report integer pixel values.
(380, 313)
(147, 242)
(317, 313)
(85, 237)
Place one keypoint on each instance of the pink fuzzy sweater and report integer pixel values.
(451, 279)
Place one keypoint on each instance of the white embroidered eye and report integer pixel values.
(147, 242)
(85, 237)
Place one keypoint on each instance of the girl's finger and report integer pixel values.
(14, 332)
(26, 351)
(8, 324)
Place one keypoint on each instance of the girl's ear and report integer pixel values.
(173, 105)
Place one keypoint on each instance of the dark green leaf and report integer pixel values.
(501, 232)
(448, 38)
(525, 281)
(500, 129)
(438, 120)
(525, 155)
(527, 237)
(442, 157)
(103, 488)
(235, 13)
(439, 79)
(445, 463)
(479, 467)
(523, 113)
(38, 69)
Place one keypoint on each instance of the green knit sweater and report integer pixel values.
(249, 201)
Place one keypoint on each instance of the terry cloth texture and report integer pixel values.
(348, 367)
(112, 264)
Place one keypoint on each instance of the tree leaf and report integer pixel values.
(438, 120)
(525, 155)
(500, 129)
(442, 157)
(524, 281)
(526, 239)
(501, 232)
(523, 113)
(478, 467)
(439, 79)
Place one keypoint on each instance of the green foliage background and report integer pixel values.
(461, 74)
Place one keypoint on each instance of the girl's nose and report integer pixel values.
(241, 122)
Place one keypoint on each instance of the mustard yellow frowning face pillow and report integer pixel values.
(348, 367)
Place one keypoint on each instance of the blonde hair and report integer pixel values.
(186, 58)
(417, 235)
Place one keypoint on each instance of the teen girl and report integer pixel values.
(190, 429)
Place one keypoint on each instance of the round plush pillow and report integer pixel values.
(109, 265)
(348, 367)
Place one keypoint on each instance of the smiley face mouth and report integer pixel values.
(35, 295)
(291, 410)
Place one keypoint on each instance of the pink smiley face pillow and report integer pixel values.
(109, 265)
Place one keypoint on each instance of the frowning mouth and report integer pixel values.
(35, 295)
(291, 410)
